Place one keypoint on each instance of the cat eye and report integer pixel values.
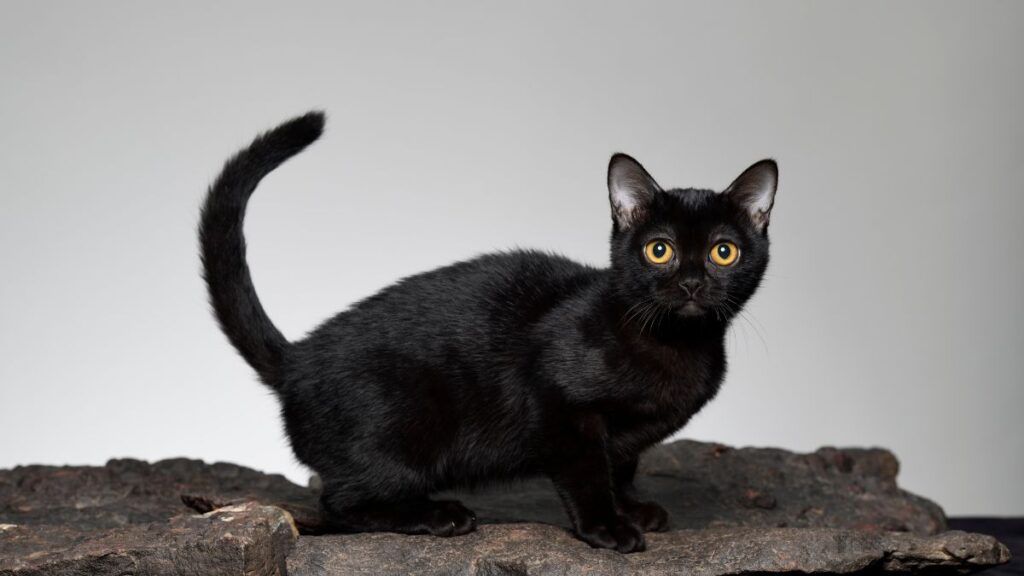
(658, 252)
(724, 253)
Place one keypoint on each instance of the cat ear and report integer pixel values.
(630, 190)
(754, 191)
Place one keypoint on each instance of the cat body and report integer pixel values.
(483, 397)
(508, 365)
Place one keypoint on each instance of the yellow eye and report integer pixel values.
(658, 252)
(725, 253)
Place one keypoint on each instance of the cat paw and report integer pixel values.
(450, 518)
(648, 516)
(620, 534)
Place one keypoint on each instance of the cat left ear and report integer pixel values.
(754, 191)
(630, 189)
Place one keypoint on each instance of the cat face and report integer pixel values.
(688, 253)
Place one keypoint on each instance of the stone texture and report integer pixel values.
(733, 511)
(536, 549)
(126, 492)
(714, 486)
(247, 539)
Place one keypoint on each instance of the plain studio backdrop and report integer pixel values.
(891, 314)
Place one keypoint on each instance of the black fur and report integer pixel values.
(508, 365)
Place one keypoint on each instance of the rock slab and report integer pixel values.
(542, 550)
(244, 539)
(706, 485)
(734, 511)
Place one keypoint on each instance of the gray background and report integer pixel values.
(891, 314)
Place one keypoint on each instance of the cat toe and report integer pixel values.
(451, 518)
(648, 516)
(620, 535)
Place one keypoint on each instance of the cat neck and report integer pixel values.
(665, 328)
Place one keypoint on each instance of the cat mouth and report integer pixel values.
(690, 308)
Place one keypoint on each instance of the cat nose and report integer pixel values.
(690, 287)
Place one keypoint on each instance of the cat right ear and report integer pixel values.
(630, 189)
(754, 191)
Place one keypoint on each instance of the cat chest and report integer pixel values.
(673, 401)
(663, 400)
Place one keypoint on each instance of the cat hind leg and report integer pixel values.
(349, 510)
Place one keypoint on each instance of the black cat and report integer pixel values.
(508, 365)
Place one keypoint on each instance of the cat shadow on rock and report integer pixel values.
(506, 366)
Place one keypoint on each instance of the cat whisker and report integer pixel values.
(653, 311)
(746, 317)
(635, 310)
(648, 312)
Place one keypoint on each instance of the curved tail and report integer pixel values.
(222, 244)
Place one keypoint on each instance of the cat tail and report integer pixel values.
(222, 244)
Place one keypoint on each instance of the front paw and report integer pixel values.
(619, 534)
(450, 518)
(648, 516)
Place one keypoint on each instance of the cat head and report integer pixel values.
(688, 253)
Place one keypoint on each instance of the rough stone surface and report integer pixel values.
(247, 539)
(128, 492)
(714, 486)
(733, 511)
(537, 549)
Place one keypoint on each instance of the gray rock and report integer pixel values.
(733, 511)
(249, 539)
(714, 486)
(126, 492)
(542, 550)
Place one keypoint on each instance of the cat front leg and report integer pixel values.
(581, 473)
(648, 516)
